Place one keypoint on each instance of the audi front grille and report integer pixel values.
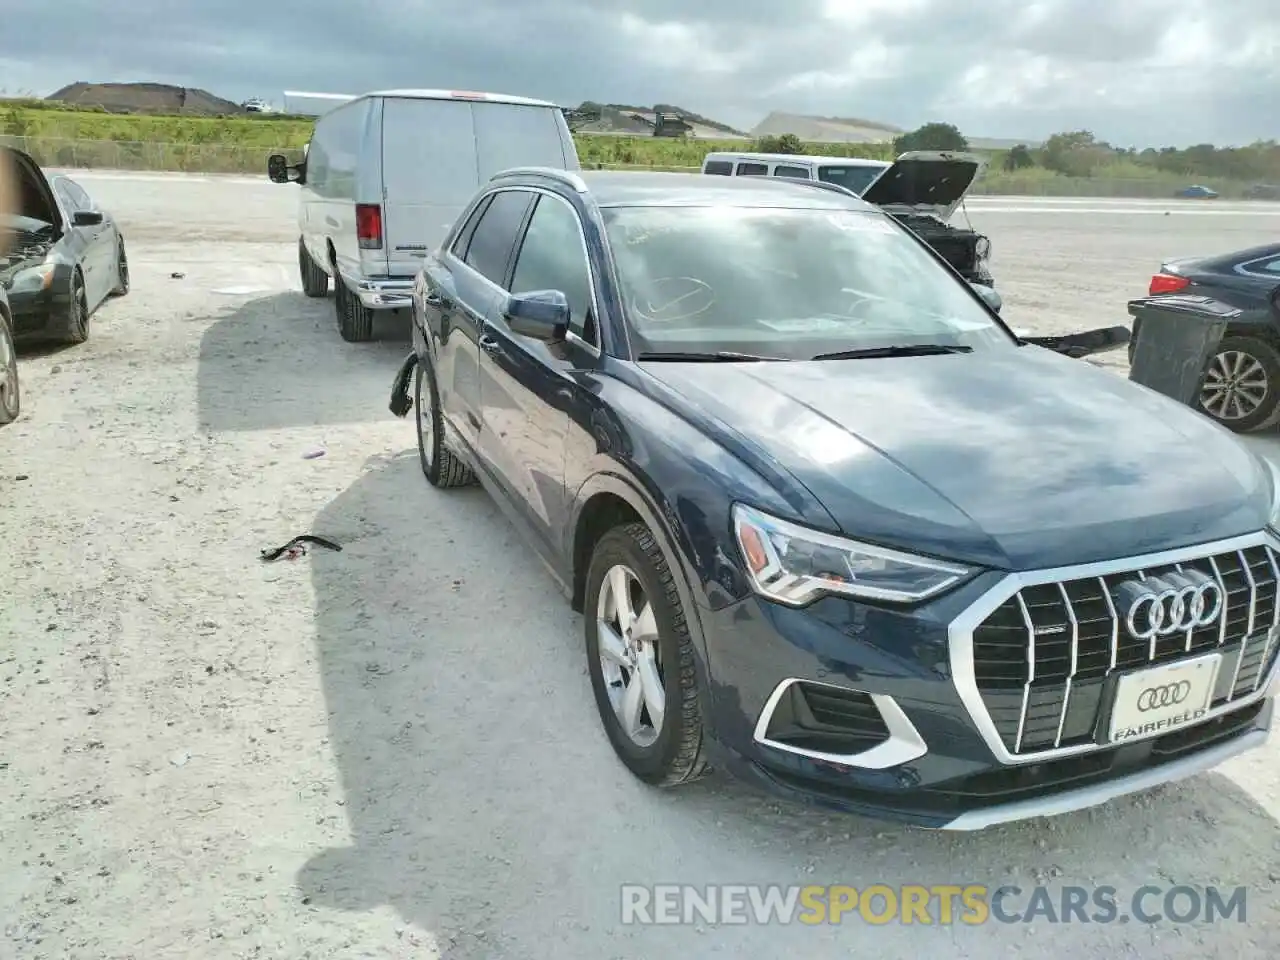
(1034, 659)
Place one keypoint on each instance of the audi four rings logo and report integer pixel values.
(1168, 604)
(1165, 695)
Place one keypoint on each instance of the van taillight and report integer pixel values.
(369, 226)
(1167, 283)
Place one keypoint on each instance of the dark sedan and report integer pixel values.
(830, 523)
(1241, 388)
(65, 256)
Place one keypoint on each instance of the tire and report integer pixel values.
(439, 465)
(355, 320)
(665, 753)
(1241, 388)
(315, 282)
(77, 326)
(10, 391)
(122, 270)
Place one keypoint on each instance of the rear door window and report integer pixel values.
(513, 135)
(721, 168)
(752, 169)
(795, 173)
(464, 235)
(489, 252)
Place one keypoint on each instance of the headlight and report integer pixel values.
(795, 565)
(1274, 521)
(33, 279)
(982, 248)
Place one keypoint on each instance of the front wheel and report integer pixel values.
(315, 282)
(77, 323)
(1241, 387)
(439, 465)
(641, 659)
(10, 395)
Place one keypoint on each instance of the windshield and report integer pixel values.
(786, 283)
(856, 179)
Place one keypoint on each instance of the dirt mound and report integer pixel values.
(146, 98)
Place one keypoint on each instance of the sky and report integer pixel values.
(1135, 72)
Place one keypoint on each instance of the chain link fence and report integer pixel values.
(225, 158)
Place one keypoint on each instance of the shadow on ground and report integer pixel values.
(278, 362)
(486, 807)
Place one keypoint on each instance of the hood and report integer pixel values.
(925, 182)
(1015, 458)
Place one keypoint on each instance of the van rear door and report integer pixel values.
(521, 135)
(428, 175)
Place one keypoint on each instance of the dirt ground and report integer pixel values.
(393, 751)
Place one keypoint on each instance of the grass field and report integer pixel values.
(64, 136)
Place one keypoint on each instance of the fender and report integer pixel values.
(628, 489)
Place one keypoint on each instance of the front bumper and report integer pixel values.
(384, 293)
(38, 313)
(944, 757)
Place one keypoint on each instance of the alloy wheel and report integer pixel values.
(1235, 385)
(79, 311)
(630, 658)
(426, 419)
(8, 374)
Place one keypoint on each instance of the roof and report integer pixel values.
(460, 95)
(802, 158)
(614, 188)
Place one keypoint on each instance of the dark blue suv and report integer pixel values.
(829, 522)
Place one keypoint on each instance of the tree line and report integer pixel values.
(1078, 153)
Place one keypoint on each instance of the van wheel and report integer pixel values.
(315, 282)
(355, 320)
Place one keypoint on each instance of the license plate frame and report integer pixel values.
(1146, 703)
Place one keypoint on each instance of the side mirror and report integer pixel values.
(541, 315)
(86, 218)
(279, 170)
(989, 296)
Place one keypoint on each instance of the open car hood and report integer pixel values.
(925, 182)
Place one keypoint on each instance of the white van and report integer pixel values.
(852, 173)
(386, 174)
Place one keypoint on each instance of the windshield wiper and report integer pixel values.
(901, 350)
(722, 356)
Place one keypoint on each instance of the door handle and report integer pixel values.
(490, 345)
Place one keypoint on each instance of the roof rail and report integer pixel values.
(568, 177)
(817, 184)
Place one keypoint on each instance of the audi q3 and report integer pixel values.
(830, 523)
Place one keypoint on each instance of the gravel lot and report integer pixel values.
(393, 751)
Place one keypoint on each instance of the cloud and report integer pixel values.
(1137, 72)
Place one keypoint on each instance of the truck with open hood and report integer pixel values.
(921, 189)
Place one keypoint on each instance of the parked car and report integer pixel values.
(1241, 387)
(1197, 192)
(10, 388)
(386, 174)
(66, 255)
(921, 189)
(785, 463)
